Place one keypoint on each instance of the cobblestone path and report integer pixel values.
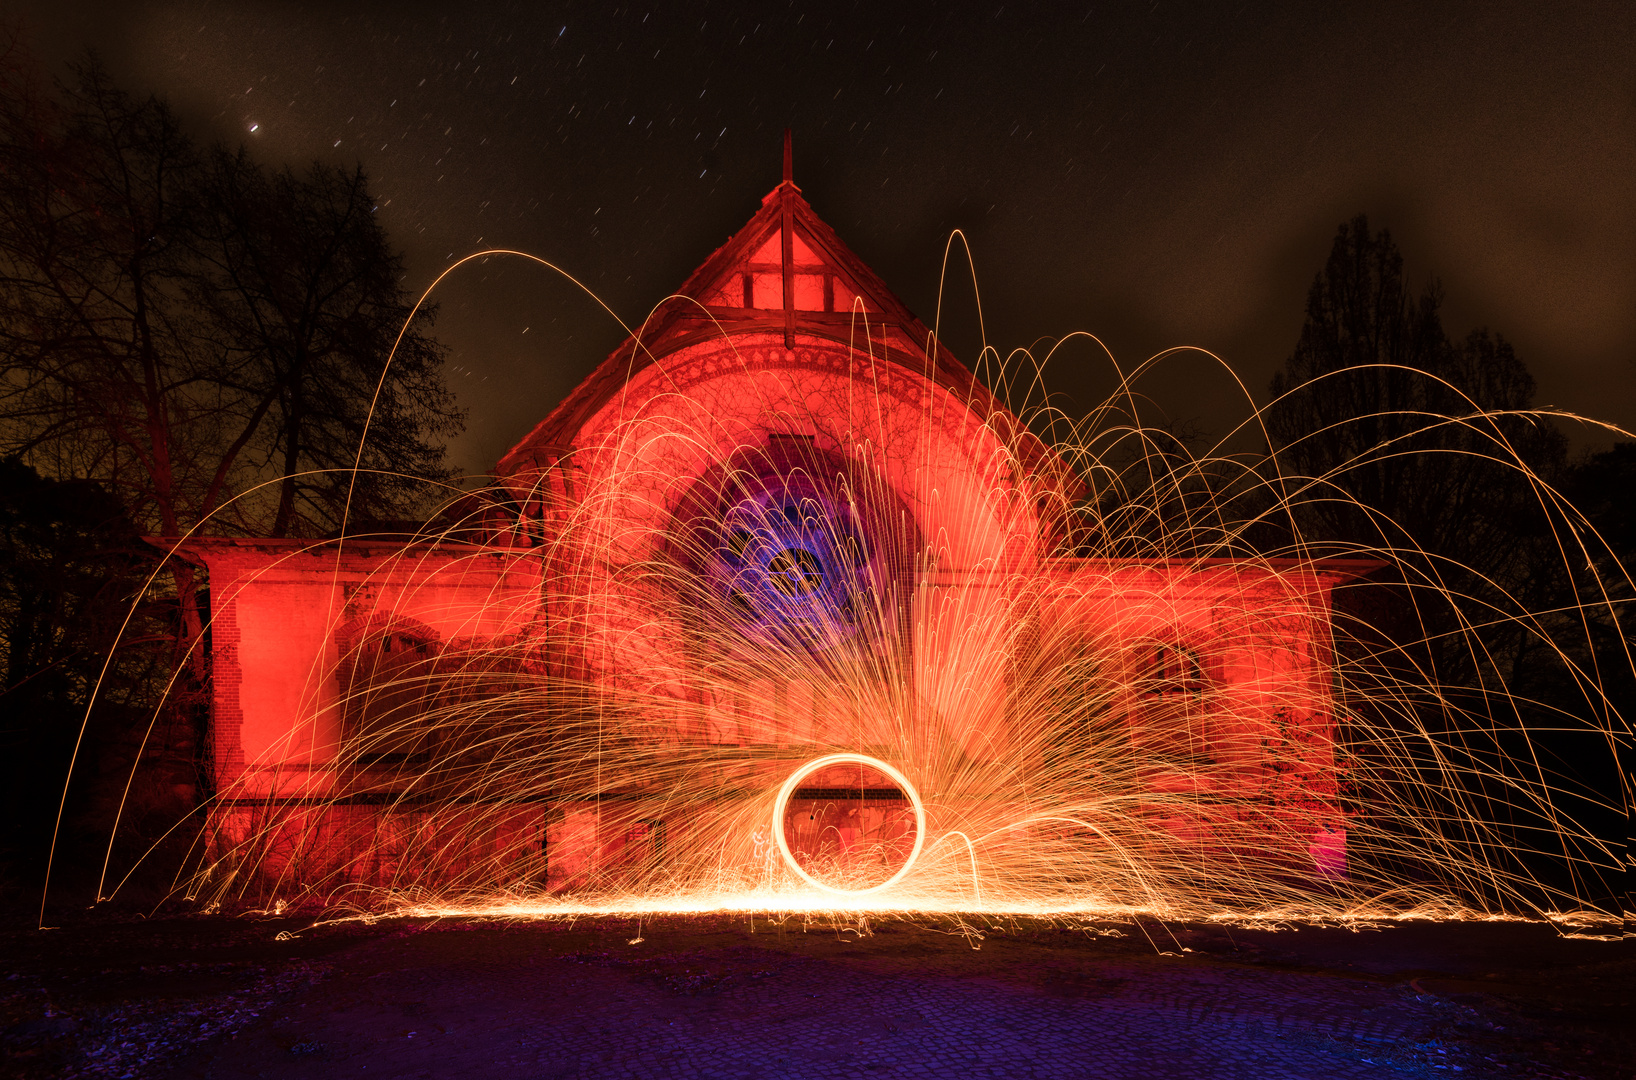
(463, 1001)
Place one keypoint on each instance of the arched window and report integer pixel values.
(1172, 668)
(1169, 717)
(386, 683)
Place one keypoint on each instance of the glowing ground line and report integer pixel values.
(794, 781)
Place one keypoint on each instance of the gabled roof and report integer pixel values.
(784, 271)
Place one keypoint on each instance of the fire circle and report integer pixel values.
(794, 782)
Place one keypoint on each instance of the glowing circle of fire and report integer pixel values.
(813, 766)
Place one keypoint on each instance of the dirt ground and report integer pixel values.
(188, 998)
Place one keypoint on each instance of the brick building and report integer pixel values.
(778, 535)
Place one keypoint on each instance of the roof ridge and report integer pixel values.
(673, 323)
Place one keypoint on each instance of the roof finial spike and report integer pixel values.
(789, 160)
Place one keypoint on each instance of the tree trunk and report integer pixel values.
(292, 461)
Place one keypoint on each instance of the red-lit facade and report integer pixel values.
(776, 523)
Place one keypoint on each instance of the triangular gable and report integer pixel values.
(744, 280)
(750, 285)
(755, 281)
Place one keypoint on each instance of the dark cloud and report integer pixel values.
(1158, 174)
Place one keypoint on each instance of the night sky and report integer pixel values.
(1159, 174)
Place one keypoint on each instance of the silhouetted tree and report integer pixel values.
(71, 568)
(1487, 620)
(303, 292)
(201, 337)
(1601, 487)
(1390, 436)
(183, 330)
(1414, 437)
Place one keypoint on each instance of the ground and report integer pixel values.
(191, 998)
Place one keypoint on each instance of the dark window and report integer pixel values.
(1173, 669)
(645, 842)
(386, 684)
